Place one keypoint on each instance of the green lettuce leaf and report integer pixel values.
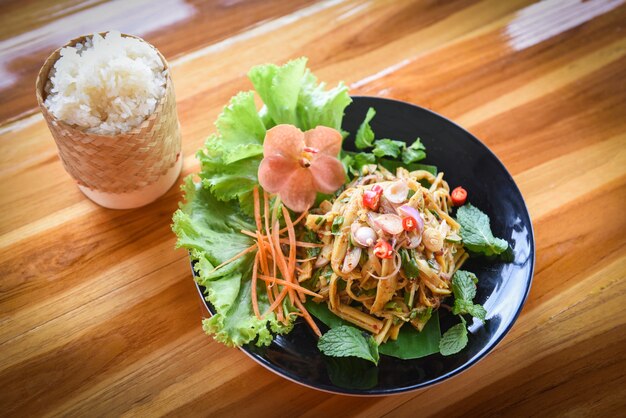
(209, 229)
(230, 158)
(292, 95)
(279, 88)
(240, 123)
(347, 341)
(476, 232)
(318, 106)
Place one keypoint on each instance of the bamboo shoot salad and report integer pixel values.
(365, 247)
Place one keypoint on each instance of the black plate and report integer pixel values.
(503, 287)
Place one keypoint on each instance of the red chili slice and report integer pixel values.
(409, 223)
(371, 198)
(459, 196)
(383, 250)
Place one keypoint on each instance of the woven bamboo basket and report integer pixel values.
(127, 170)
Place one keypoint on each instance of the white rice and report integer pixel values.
(107, 85)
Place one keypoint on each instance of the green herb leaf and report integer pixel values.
(425, 315)
(454, 339)
(409, 265)
(476, 232)
(335, 228)
(345, 341)
(463, 307)
(354, 162)
(311, 236)
(414, 152)
(365, 135)
(388, 148)
(464, 285)
(464, 289)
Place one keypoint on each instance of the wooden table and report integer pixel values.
(98, 312)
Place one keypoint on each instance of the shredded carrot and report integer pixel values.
(279, 308)
(308, 318)
(255, 302)
(266, 209)
(263, 257)
(280, 258)
(296, 222)
(289, 284)
(291, 261)
(244, 252)
(285, 240)
(257, 207)
(302, 244)
(271, 247)
(277, 302)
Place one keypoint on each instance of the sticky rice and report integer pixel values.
(106, 85)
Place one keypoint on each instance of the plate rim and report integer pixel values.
(473, 361)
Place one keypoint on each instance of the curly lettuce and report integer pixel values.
(216, 208)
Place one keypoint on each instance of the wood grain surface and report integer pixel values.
(98, 313)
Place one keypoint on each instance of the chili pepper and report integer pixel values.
(409, 223)
(371, 198)
(459, 196)
(383, 250)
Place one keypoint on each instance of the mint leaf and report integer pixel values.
(464, 289)
(346, 341)
(387, 148)
(476, 232)
(365, 135)
(414, 152)
(463, 285)
(462, 307)
(454, 339)
(477, 311)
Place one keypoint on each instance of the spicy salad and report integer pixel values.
(283, 223)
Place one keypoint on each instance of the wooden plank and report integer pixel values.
(98, 313)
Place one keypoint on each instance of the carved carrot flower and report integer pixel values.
(297, 164)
